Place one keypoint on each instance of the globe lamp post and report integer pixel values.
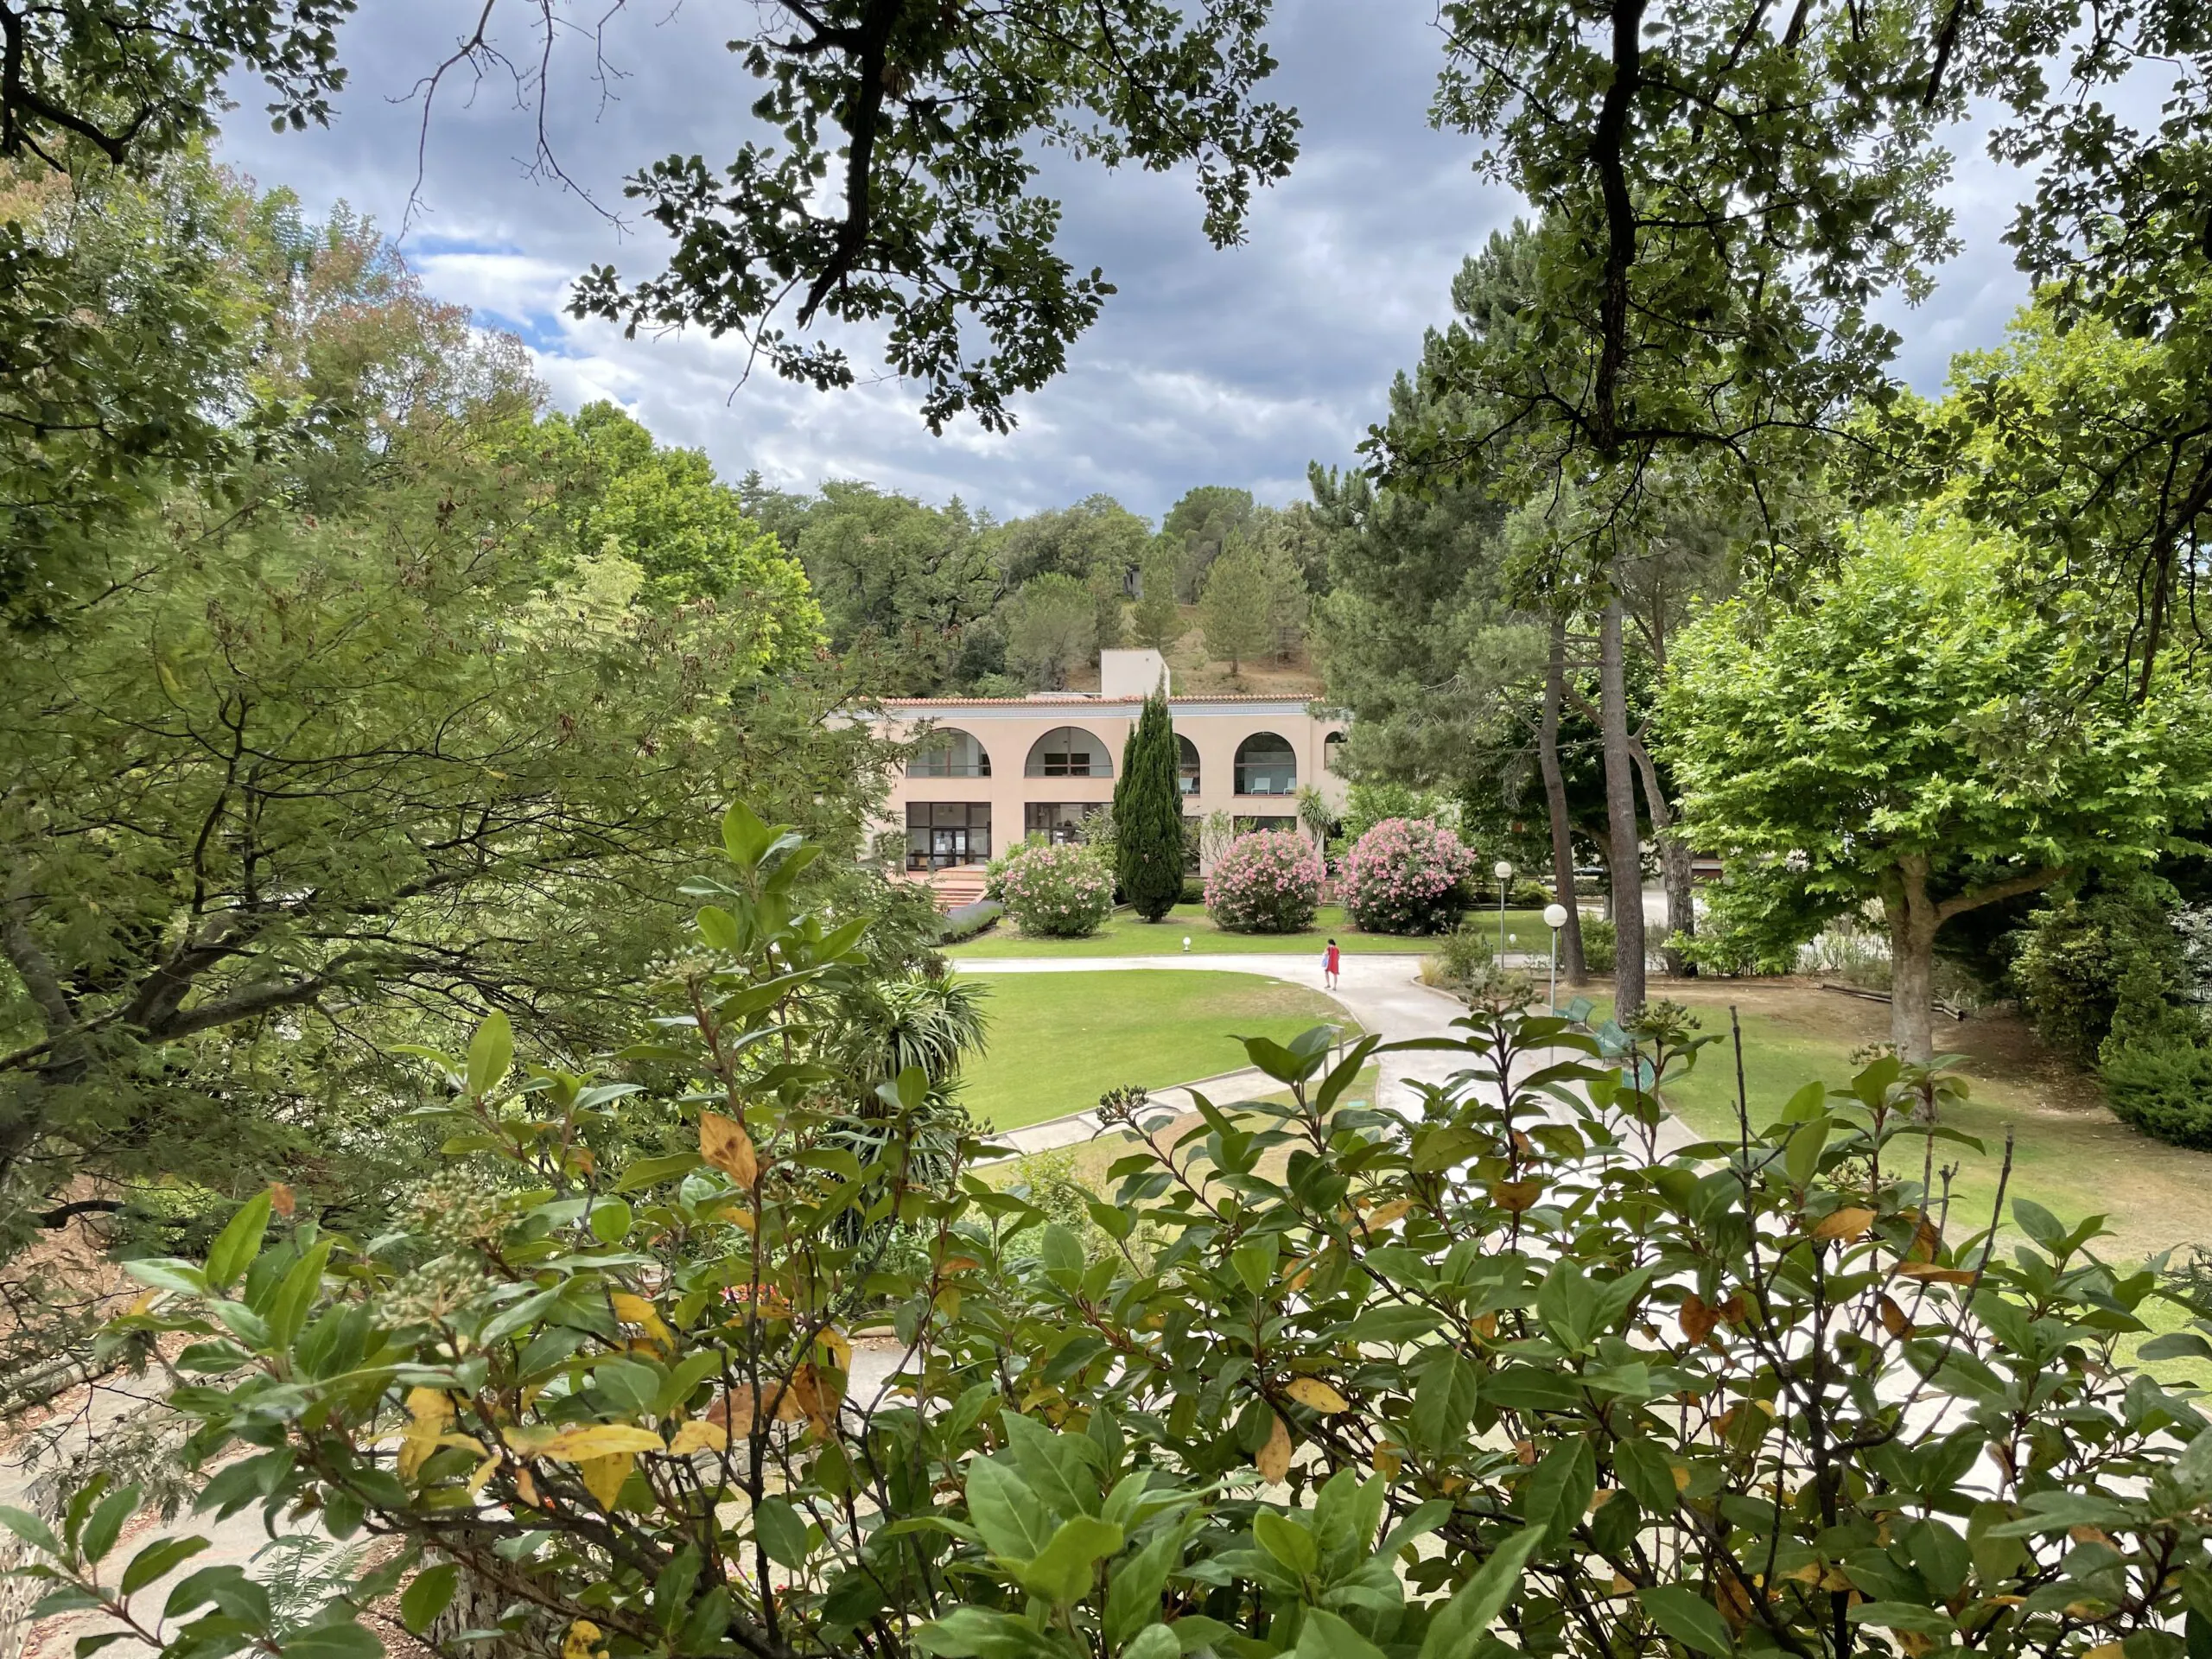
(1504, 872)
(1555, 919)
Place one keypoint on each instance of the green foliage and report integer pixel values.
(1267, 882)
(1052, 627)
(1339, 1400)
(1600, 944)
(1463, 958)
(900, 582)
(931, 122)
(1156, 621)
(1197, 529)
(1923, 732)
(1056, 891)
(2088, 965)
(1148, 814)
(2160, 1082)
(1234, 608)
(967, 921)
(1368, 803)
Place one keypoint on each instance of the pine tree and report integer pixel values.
(1148, 813)
(1156, 619)
(1234, 609)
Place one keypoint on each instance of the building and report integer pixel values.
(994, 770)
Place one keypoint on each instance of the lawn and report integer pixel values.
(1058, 1041)
(1124, 935)
(2069, 1154)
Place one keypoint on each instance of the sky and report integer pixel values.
(1236, 367)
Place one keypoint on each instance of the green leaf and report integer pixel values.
(1254, 1260)
(1133, 1593)
(491, 1051)
(346, 1641)
(427, 1594)
(651, 1172)
(1559, 1490)
(106, 1523)
(1803, 1158)
(1064, 1570)
(782, 1532)
(1061, 1253)
(32, 1530)
(2040, 1225)
(610, 1221)
(157, 1560)
(1444, 1401)
(1005, 1511)
(239, 1242)
(1324, 1636)
(1688, 1617)
(1156, 1641)
(1458, 1627)
(1288, 1541)
(976, 1633)
(1902, 1616)
(1647, 1474)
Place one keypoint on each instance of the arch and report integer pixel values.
(1266, 765)
(1332, 752)
(948, 752)
(1187, 763)
(1068, 752)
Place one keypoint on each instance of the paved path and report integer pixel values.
(1384, 994)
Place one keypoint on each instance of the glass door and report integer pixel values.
(948, 846)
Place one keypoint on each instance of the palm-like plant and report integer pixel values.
(883, 1029)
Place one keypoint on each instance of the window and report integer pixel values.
(941, 834)
(1262, 826)
(950, 753)
(1265, 765)
(1058, 823)
(1333, 751)
(1186, 755)
(1069, 751)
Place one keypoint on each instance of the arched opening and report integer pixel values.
(1187, 763)
(1265, 764)
(948, 751)
(1332, 752)
(1069, 751)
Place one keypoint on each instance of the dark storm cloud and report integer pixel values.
(1234, 367)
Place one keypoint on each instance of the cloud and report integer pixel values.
(1235, 367)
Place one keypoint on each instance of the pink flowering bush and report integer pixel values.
(1060, 892)
(1265, 883)
(1404, 876)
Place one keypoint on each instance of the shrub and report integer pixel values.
(1463, 958)
(2085, 962)
(1265, 883)
(1600, 944)
(1058, 893)
(966, 921)
(2161, 1084)
(1405, 876)
(1194, 890)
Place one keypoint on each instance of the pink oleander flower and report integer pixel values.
(1405, 876)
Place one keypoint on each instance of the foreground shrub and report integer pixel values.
(1059, 892)
(1405, 876)
(1762, 1396)
(2161, 1084)
(1265, 883)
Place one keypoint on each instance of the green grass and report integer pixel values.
(1058, 1041)
(1124, 935)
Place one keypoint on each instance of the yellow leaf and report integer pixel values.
(525, 1487)
(841, 1351)
(698, 1436)
(282, 1201)
(1383, 1215)
(1928, 1270)
(578, 1643)
(431, 1411)
(1312, 1391)
(959, 1264)
(1894, 1320)
(1389, 1460)
(141, 1302)
(590, 1440)
(724, 1143)
(603, 1477)
(636, 1310)
(1844, 1226)
(1273, 1460)
(482, 1473)
(1514, 1197)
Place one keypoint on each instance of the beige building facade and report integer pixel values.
(992, 772)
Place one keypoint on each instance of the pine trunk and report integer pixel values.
(1627, 859)
(1571, 960)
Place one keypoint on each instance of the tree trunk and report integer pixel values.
(1912, 963)
(1627, 859)
(1674, 862)
(1571, 960)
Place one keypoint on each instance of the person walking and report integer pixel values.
(1331, 961)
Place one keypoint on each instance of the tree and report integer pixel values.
(1148, 813)
(1156, 620)
(1199, 527)
(1289, 604)
(900, 582)
(1234, 608)
(1924, 733)
(1052, 626)
(1098, 534)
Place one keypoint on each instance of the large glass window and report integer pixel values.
(1186, 754)
(1266, 766)
(1069, 751)
(1333, 751)
(1258, 826)
(941, 834)
(950, 753)
(1058, 821)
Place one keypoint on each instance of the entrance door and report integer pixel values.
(948, 846)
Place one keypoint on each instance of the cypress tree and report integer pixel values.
(1148, 813)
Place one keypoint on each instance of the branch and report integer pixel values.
(2012, 887)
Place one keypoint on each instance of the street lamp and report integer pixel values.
(1504, 872)
(1555, 919)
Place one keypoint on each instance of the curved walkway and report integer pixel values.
(1382, 993)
